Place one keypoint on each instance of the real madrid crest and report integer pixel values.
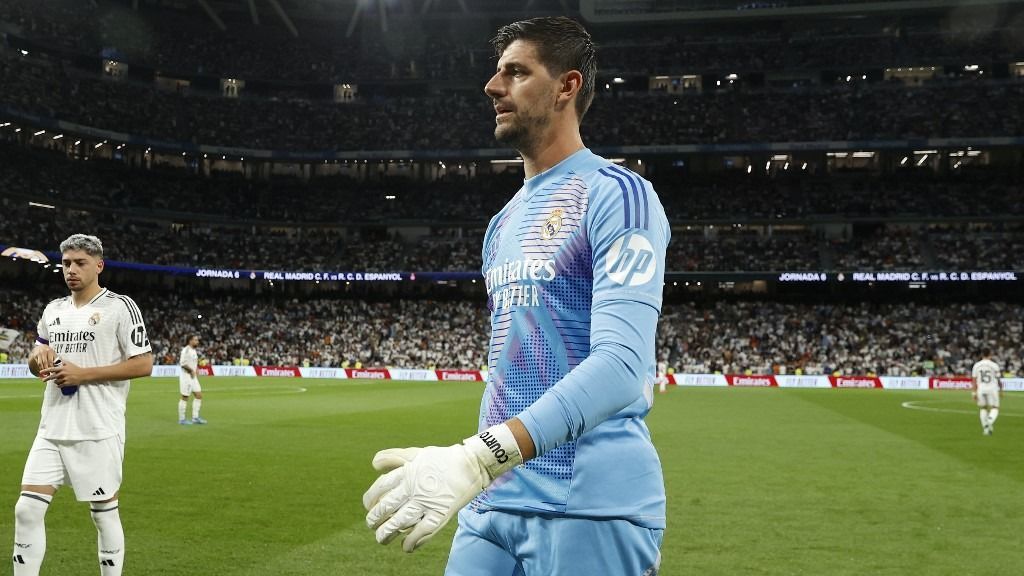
(552, 225)
(94, 319)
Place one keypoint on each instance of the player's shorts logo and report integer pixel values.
(552, 225)
(94, 319)
(630, 261)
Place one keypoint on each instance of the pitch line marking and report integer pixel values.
(915, 405)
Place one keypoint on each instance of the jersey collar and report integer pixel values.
(569, 164)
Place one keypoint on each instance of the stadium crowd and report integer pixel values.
(726, 223)
(459, 120)
(905, 338)
(187, 42)
(733, 336)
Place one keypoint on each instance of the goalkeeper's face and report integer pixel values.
(524, 94)
(81, 269)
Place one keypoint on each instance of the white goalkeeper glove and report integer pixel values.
(423, 488)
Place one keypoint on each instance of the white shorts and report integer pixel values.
(988, 398)
(91, 467)
(189, 386)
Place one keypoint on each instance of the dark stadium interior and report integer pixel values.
(833, 143)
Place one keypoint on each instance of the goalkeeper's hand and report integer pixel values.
(423, 488)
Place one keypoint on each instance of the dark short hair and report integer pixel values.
(562, 45)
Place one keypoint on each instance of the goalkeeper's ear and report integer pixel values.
(387, 460)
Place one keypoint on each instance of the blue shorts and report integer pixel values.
(503, 544)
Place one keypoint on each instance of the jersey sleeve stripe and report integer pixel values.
(632, 178)
(136, 315)
(133, 310)
(625, 193)
(638, 190)
(42, 341)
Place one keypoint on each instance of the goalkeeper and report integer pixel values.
(562, 477)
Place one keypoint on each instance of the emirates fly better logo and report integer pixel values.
(630, 261)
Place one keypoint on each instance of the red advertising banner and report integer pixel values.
(751, 381)
(949, 383)
(855, 381)
(371, 373)
(205, 371)
(459, 375)
(285, 371)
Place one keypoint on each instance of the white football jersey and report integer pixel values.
(188, 357)
(108, 330)
(986, 373)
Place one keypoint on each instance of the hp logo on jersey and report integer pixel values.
(630, 261)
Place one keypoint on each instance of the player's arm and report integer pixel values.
(611, 377)
(70, 374)
(42, 356)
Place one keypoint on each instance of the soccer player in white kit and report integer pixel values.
(188, 382)
(101, 341)
(986, 390)
(661, 377)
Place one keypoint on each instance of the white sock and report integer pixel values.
(30, 533)
(993, 413)
(181, 409)
(984, 418)
(196, 403)
(110, 537)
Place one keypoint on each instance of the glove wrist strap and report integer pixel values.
(496, 449)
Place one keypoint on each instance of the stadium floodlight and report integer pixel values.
(804, 167)
(77, 142)
(24, 52)
(58, 136)
(39, 133)
(16, 130)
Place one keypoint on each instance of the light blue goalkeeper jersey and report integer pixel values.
(574, 267)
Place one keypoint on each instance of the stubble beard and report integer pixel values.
(523, 135)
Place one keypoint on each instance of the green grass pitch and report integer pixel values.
(816, 482)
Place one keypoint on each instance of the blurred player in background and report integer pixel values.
(100, 339)
(662, 376)
(188, 382)
(574, 267)
(986, 390)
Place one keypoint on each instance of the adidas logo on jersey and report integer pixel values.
(99, 492)
(56, 322)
